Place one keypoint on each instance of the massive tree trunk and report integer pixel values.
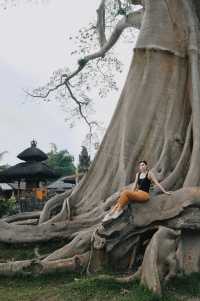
(157, 114)
(156, 119)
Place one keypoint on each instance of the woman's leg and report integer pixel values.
(122, 201)
(138, 196)
(126, 196)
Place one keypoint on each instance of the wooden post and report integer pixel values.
(18, 195)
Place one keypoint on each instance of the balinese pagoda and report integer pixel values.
(33, 172)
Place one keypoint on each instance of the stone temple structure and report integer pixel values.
(33, 172)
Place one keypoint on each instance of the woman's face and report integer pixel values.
(142, 167)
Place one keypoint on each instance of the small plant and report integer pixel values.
(7, 206)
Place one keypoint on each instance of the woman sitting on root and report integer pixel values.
(139, 192)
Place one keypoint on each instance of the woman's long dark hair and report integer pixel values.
(145, 162)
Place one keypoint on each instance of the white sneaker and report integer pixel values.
(107, 217)
(117, 214)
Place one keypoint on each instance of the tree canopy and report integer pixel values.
(84, 160)
(62, 162)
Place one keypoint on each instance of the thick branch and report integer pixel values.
(131, 20)
(101, 23)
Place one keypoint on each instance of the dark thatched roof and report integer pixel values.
(28, 171)
(61, 185)
(33, 154)
(72, 178)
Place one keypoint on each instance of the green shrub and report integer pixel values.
(7, 206)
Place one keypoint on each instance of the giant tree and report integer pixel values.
(157, 119)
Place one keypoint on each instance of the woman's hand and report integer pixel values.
(155, 181)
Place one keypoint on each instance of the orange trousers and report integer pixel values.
(138, 196)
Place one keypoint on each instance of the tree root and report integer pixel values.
(63, 215)
(51, 205)
(129, 278)
(80, 244)
(22, 217)
(77, 263)
(19, 234)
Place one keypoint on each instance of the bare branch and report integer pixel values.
(80, 107)
(61, 84)
(119, 4)
(48, 92)
(81, 65)
(101, 23)
(131, 20)
(80, 103)
(2, 154)
(121, 10)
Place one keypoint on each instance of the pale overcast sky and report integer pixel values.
(34, 42)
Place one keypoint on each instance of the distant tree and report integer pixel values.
(61, 161)
(84, 160)
(2, 167)
(7, 206)
(2, 154)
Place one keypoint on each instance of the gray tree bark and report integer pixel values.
(157, 114)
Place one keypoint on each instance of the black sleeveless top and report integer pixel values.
(144, 183)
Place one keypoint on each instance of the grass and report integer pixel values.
(71, 287)
(13, 252)
(66, 287)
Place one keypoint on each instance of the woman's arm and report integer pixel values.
(155, 181)
(135, 182)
